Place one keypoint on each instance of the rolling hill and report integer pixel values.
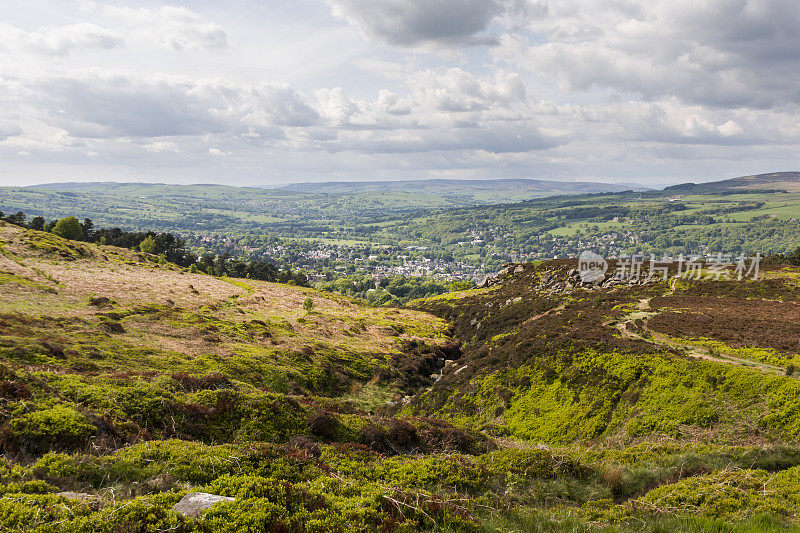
(480, 191)
(537, 403)
(774, 181)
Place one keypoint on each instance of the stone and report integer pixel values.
(81, 496)
(193, 504)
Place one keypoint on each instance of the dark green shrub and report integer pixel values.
(323, 424)
(58, 428)
(273, 418)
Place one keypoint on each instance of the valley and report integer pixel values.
(349, 239)
(533, 404)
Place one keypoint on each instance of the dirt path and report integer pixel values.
(554, 310)
(643, 312)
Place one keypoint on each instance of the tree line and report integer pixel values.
(165, 245)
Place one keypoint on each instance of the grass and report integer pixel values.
(545, 418)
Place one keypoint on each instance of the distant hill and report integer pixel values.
(774, 181)
(138, 188)
(529, 187)
(206, 207)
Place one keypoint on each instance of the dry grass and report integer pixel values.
(168, 309)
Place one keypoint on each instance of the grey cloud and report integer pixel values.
(286, 107)
(727, 54)
(412, 23)
(121, 106)
(9, 130)
(103, 106)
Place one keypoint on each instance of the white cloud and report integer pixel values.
(161, 146)
(335, 106)
(457, 90)
(498, 138)
(59, 40)
(173, 27)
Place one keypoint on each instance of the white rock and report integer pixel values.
(193, 504)
(76, 495)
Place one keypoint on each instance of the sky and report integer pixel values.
(268, 92)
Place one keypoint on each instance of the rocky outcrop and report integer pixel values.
(559, 280)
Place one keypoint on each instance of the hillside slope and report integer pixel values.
(159, 318)
(773, 181)
(690, 360)
(126, 384)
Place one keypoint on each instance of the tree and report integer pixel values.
(18, 218)
(37, 223)
(308, 304)
(148, 245)
(87, 228)
(69, 228)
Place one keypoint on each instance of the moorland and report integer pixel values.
(532, 404)
(537, 402)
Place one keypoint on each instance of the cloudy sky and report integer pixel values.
(262, 92)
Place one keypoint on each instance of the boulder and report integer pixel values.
(193, 504)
